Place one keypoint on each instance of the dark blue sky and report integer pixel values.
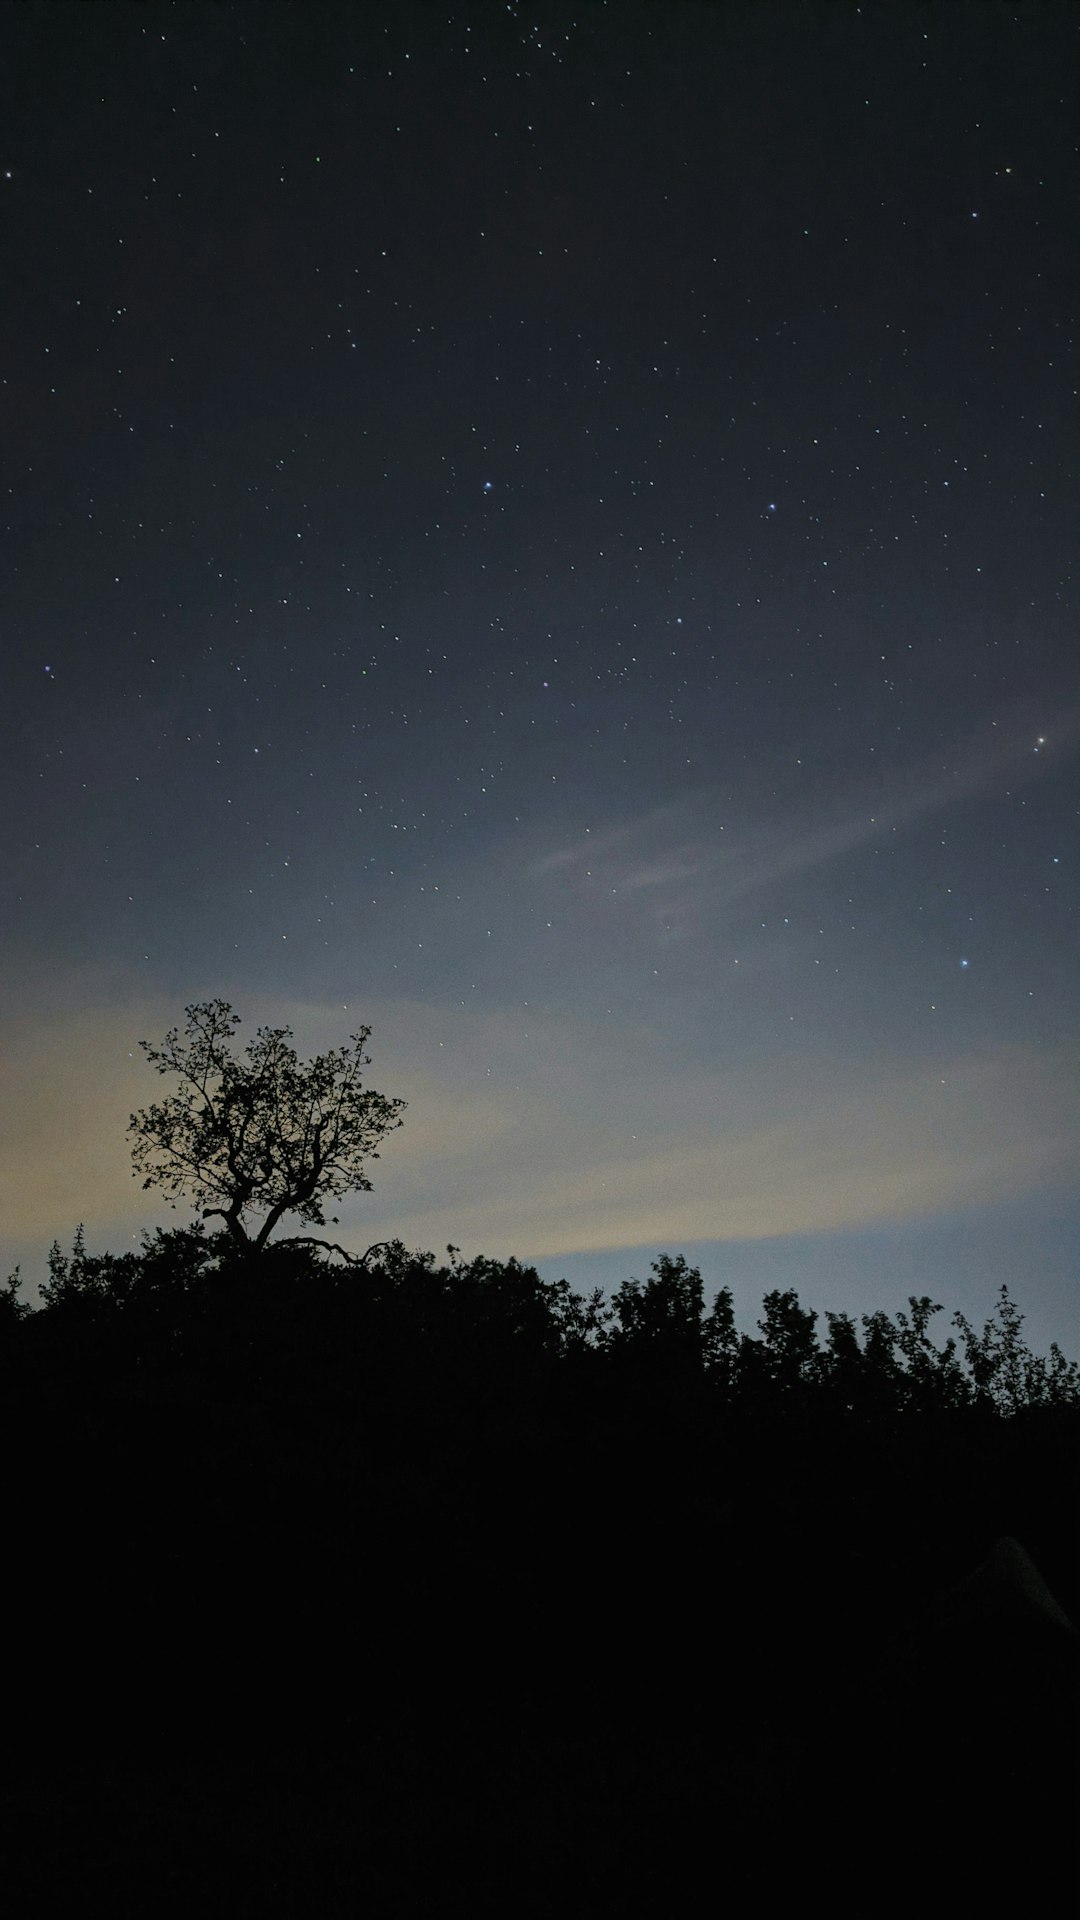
(550, 532)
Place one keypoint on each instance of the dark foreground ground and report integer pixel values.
(407, 1643)
(438, 1723)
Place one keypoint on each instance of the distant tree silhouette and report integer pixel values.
(12, 1309)
(1005, 1373)
(786, 1358)
(268, 1133)
(664, 1315)
(79, 1281)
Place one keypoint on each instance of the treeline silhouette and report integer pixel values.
(421, 1586)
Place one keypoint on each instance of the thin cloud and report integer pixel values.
(1014, 752)
(683, 846)
(614, 842)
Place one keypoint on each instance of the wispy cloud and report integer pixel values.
(621, 845)
(1004, 754)
(686, 849)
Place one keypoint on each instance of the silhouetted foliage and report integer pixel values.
(657, 1332)
(1005, 1373)
(12, 1309)
(269, 1134)
(786, 1359)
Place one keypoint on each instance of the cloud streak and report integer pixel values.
(686, 849)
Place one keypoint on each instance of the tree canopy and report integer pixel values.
(264, 1134)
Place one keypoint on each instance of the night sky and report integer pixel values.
(549, 531)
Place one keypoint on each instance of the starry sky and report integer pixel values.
(549, 531)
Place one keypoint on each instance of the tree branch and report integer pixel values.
(332, 1246)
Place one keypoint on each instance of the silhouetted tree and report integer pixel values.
(786, 1358)
(80, 1280)
(1005, 1373)
(666, 1310)
(12, 1309)
(268, 1133)
(720, 1342)
(934, 1376)
(655, 1332)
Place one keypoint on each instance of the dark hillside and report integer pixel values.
(330, 1581)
